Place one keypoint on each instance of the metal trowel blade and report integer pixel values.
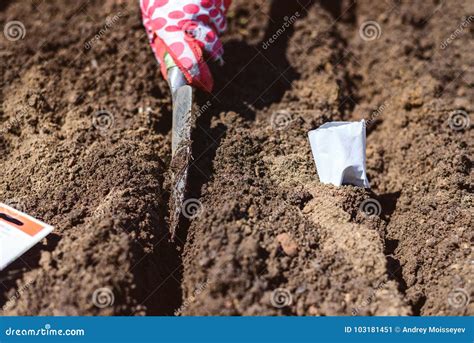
(183, 122)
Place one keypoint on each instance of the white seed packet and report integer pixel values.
(339, 152)
(18, 233)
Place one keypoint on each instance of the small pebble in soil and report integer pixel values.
(288, 245)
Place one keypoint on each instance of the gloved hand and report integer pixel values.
(185, 29)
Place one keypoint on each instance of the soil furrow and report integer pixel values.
(85, 146)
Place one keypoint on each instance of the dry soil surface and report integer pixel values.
(85, 146)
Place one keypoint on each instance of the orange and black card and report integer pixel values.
(18, 233)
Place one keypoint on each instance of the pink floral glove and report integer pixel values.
(184, 29)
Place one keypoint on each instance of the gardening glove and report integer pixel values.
(184, 29)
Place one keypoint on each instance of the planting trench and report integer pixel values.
(269, 239)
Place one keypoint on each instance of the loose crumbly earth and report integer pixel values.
(85, 146)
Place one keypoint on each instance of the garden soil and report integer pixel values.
(85, 134)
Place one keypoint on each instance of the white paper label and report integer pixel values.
(18, 233)
(339, 152)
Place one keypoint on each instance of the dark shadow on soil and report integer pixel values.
(344, 12)
(388, 202)
(372, 126)
(160, 271)
(418, 305)
(4, 4)
(395, 273)
(206, 140)
(256, 76)
(333, 7)
(161, 275)
(341, 10)
(164, 123)
(394, 268)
